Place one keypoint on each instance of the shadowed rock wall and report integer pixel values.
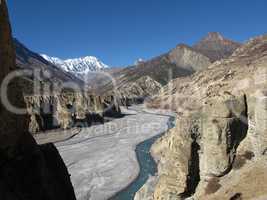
(27, 171)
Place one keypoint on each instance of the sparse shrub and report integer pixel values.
(213, 185)
(166, 106)
(239, 162)
(249, 155)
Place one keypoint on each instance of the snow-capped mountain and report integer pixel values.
(78, 65)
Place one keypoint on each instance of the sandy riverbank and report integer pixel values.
(101, 159)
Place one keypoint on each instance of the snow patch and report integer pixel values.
(79, 66)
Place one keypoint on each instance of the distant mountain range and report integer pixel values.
(27, 59)
(183, 60)
(80, 66)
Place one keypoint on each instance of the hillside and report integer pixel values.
(219, 142)
(216, 47)
(27, 59)
(180, 61)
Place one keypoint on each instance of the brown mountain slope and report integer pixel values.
(179, 62)
(27, 59)
(216, 47)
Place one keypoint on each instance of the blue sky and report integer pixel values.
(121, 31)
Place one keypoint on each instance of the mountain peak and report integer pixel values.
(215, 46)
(81, 65)
(182, 45)
(214, 36)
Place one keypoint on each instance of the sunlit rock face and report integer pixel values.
(68, 109)
(218, 148)
(138, 91)
(187, 58)
(27, 171)
(216, 47)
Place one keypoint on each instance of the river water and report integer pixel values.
(148, 167)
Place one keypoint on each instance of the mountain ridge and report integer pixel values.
(215, 46)
(82, 65)
(27, 59)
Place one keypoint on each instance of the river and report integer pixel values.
(114, 159)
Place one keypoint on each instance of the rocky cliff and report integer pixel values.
(216, 47)
(217, 150)
(27, 171)
(68, 109)
(138, 91)
(50, 104)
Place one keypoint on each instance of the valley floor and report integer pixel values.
(101, 159)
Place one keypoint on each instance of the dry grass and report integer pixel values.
(239, 162)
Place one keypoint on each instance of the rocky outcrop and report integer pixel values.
(216, 47)
(69, 109)
(218, 148)
(187, 58)
(137, 91)
(54, 105)
(27, 171)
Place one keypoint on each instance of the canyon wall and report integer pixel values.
(27, 171)
(218, 148)
(68, 109)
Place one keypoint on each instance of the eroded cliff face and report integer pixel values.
(218, 148)
(136, 92)
(68, 109)
(188, 58)
(27, 171)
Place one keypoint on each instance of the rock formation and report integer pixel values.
(187, 58)
(216, 47)
(68, 109)
(49, 103)
(52, 105)
(217, 150)
(137, 91)
(27, 171)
